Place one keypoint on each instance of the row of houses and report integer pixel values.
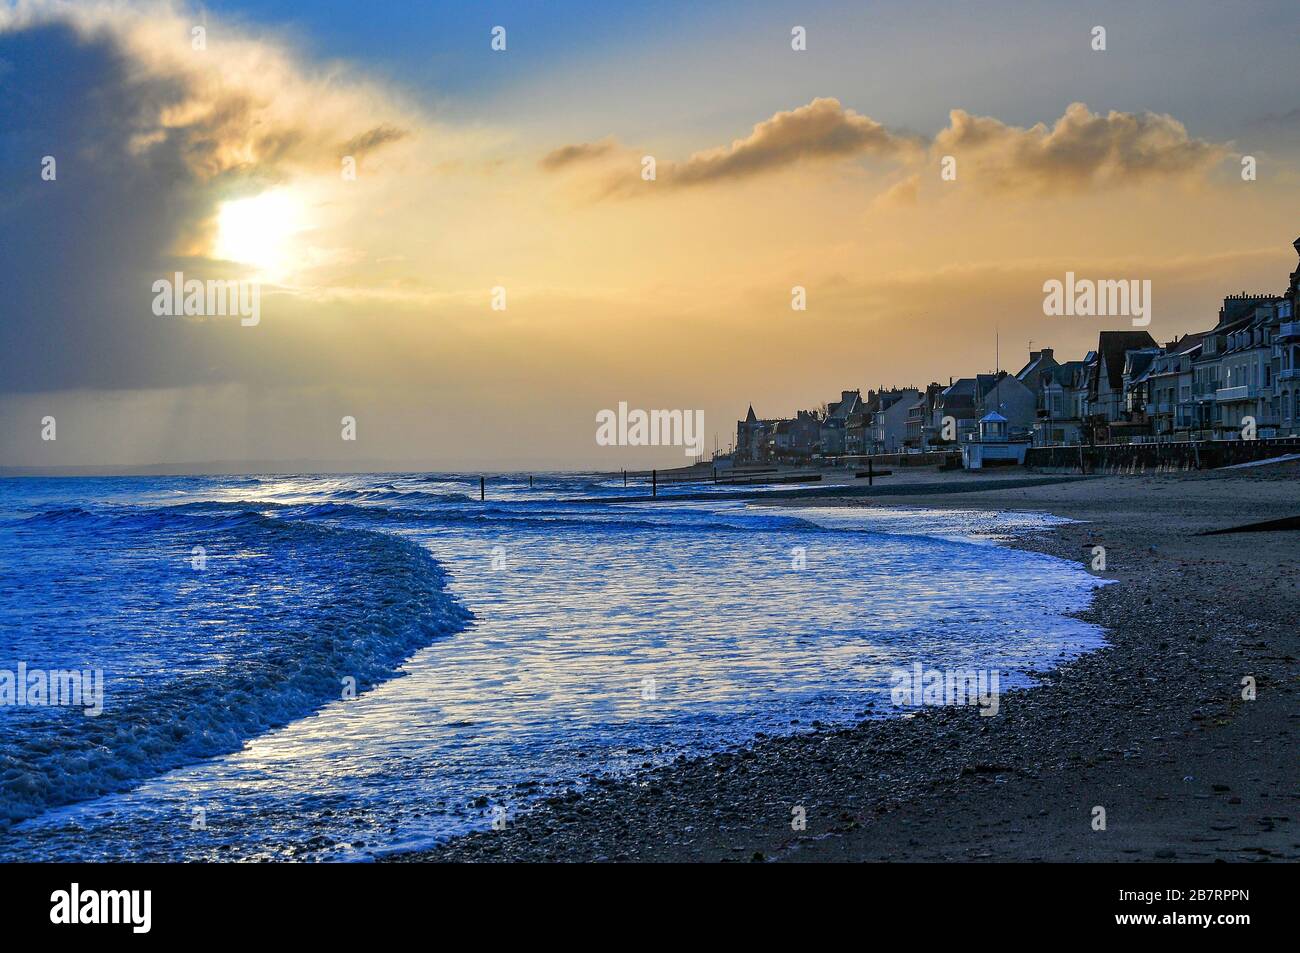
(850, 426)
(1242, 373)
(1240, 376)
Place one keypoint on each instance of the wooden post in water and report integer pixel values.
(625, 478)
(871, 472)
(715, 474)
(482, 489)
(530, 481)
(654, 482)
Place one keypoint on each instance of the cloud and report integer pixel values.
(902, 194)
(823, 130)
(241, 105)
(150, 137)
(581, 152)
(372, 139)
(1082, 150)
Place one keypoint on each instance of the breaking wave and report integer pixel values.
(199, 653)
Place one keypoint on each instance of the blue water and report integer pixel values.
(329, 667)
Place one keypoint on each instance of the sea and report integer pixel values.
(337, 667)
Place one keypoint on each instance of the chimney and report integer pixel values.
(1047, 354)
(1034, 355)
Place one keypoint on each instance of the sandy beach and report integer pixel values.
(1153, 728)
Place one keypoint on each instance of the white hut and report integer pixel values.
(994, 444)
(993, 426)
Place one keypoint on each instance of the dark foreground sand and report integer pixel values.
(1153, 728)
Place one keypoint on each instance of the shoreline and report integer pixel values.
(1151, 727)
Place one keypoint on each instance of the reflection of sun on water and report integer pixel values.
(260, 231)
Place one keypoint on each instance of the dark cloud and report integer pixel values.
(372, 139)
(146, 148)
(80, 252)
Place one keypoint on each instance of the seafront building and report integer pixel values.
(1242, 373)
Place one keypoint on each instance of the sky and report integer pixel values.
(515, 178)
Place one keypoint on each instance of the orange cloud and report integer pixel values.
(1082, 150)
(581, 152)
(823, 130)
(901, 194)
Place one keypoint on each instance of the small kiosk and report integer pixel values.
(994, 445)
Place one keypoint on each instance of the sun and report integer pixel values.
(262, 231)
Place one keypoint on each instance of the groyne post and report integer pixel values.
(654, 482)
(482, 489)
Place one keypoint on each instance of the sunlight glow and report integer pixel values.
(260, 231)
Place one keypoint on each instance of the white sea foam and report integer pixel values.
(576, 606)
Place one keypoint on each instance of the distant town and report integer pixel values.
(1237, 380)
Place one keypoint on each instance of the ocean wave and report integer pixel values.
(188, 516)
(394, 495)
(61, 514)
(598, 518)
(375, 600)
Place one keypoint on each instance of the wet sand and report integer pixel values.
(1153, 728)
